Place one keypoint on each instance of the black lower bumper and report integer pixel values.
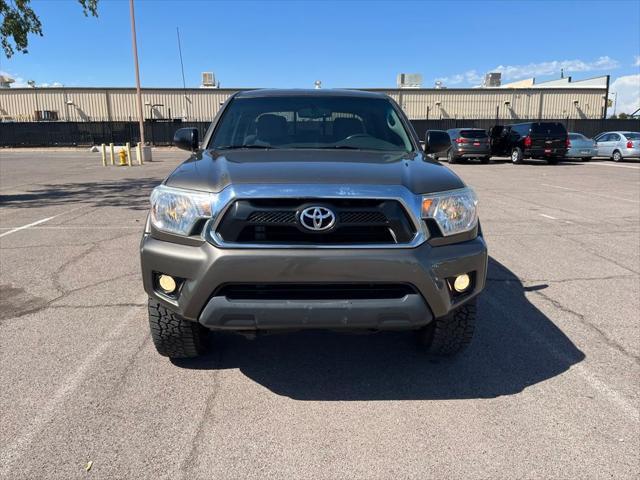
(408, 312)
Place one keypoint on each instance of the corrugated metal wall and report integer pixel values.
(115, 104)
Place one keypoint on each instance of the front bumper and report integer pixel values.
(205, 268)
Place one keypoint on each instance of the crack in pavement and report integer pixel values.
(564, 280)
(99, 305)
(582, 318)
(49, 303)
(196, 440)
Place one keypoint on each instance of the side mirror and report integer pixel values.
(186, 139)
(437, 141)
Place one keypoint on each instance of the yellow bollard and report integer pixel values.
(128, 147)
(113, 162)
(103, 150)
(123, 158)
(139, 148)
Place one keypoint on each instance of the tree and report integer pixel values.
(18, 21)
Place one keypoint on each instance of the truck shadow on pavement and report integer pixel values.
(132, 193)
(515, 346)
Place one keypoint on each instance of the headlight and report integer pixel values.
(454, 212)
(176, 211)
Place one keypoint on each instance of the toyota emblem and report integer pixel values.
(317, 219)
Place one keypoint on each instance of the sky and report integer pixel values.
(342, 43)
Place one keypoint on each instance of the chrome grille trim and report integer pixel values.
(411, 202)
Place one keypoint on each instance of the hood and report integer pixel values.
(212, 171)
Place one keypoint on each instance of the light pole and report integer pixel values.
(134, 45)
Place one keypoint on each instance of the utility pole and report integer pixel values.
(184, 84)
(135, 61)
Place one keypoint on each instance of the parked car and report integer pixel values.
(618, 145)
(581, 147)
(468, 143)
(311, 210)
(548, 140)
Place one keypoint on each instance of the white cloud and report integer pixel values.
(468, 77)
(627, 90)
(637, 62)
(19, 81)
(516, 72)
(22, 83)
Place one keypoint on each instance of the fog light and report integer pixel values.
(461, 283)
(168, 284)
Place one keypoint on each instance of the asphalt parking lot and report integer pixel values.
(549, 388)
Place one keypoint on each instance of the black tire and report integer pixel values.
(552, 161)
(516, 156)
(485, 160)
(174, 336)
(617, 156)
(586, 159)
(449, 335)
(451, 158)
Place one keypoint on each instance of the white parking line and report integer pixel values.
(82, 227)
(17, 229)
(590, 193)
(24, 227)
(581, 369)
(12, 452)
(547, 216)
(598, 164)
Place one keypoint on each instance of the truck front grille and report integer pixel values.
(277, 221)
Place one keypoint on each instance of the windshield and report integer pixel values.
(308, 121)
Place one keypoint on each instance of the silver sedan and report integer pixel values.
(618, 145)
(581, 147)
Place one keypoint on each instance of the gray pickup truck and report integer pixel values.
(312, 210)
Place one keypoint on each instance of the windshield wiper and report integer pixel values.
(236, 147)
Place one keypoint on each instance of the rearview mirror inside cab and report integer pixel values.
(436, 142)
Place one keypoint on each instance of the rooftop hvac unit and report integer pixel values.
(208, 79)
(409, 80)
(493, 79)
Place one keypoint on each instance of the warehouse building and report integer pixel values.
(559, 99)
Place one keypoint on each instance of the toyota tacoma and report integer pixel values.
(312, 210)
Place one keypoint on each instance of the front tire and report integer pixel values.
(617, 156)
(451, 158)
(451, 334)
(516, 156)
(174, 336)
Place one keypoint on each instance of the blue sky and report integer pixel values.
(344, 44)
